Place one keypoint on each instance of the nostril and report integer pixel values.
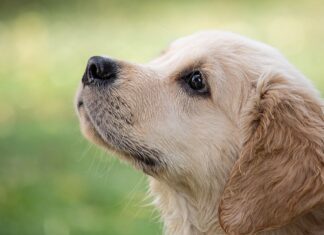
(94, 72)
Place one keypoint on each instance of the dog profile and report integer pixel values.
(230, 134)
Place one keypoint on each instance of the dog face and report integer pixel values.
(214, 108)
(165, 117)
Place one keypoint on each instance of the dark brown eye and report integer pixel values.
(196, 81)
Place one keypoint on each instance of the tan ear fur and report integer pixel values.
(280, 172)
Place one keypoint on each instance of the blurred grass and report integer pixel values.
(52, 181)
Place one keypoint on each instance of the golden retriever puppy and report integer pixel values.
(230, 134)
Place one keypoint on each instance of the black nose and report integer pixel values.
(99, 69)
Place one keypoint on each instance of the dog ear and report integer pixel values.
(280, 171)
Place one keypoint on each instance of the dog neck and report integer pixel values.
(184, 212)
(190, 207)
(189, 203)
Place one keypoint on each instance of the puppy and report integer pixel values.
(230, 134)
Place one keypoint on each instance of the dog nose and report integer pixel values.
(99, 69)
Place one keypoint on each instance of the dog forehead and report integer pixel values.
(202, 39)
(186, 51)
(199, 46)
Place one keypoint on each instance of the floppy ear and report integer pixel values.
(280, 172)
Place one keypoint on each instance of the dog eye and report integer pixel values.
(196, 81)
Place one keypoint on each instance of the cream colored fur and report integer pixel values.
(248, 159)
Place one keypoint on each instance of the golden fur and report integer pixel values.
(246, 159)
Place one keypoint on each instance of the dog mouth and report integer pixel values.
(146, 158)
(79, 104)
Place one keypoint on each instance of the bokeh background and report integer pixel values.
(52, 181)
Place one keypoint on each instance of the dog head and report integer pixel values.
(218, 107)
(165, 117)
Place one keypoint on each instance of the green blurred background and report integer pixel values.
(52, 181)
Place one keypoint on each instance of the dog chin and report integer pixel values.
(89, 131)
